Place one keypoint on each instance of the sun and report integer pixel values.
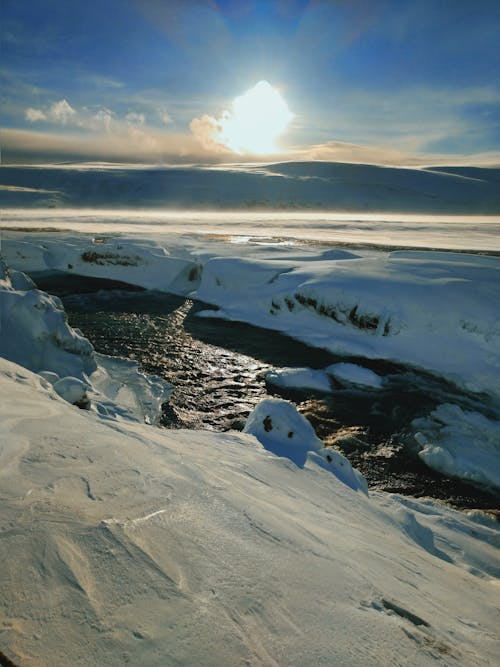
(257, 119)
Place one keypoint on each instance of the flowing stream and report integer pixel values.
(218, 371)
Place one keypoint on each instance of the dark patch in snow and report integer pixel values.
(344, 315)
(404, 613)
(5, 661)
(268, 424)
(105, 258)
(87, 489)
(194, 274)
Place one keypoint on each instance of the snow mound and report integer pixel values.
(35, 333)
(354, 374)
(73, 390)
(461, 444)
(299, 378)
(285, 432)
(282, 430)
(335, 462)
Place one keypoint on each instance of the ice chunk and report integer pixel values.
(299, 378)
(461, 444)
(354, 374)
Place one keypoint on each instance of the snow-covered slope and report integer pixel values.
(289, 185)
(122, 543)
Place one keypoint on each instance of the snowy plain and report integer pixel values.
(124, 543)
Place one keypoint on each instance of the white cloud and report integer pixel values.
(207, 131)
(34, 115)
(135, 118)
(165, 117)
(132, 144)
(103, 118)
(61, 112)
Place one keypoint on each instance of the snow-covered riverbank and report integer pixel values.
(122, 542)
(436, 311)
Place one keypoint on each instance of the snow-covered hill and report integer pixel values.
(288, 186)
(122, 543)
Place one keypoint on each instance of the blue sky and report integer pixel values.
(391, 81)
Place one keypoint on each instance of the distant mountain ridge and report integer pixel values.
(285, 186)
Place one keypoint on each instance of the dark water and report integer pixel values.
(218, 369)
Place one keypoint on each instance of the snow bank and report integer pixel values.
(160, 547)
(35, 334)
(34, 331)
(134, 261)
(431, 310)
(460, 443)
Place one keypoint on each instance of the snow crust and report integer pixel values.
(299, 378)
(160, 547)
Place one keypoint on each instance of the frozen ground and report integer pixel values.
(447, 232)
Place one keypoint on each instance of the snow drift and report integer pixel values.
(121, 543)
(34, 333)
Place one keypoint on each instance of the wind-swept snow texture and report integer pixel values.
(285, 186)
(121, 543)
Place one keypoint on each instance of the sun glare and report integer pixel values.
(257, 119)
